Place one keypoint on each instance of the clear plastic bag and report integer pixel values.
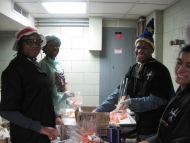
(4, 133)
(62, 132)
(80, 134)
(76, 101)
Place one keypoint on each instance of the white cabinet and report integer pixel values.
(95, 33)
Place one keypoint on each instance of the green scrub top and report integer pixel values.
(56, 77)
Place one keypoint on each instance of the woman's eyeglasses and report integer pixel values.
(30, 42)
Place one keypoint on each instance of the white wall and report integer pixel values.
(158, 33)
(81, 65)
(175, 19)
(170, 25)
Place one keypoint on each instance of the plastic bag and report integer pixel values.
(76, 101)
(4, 134)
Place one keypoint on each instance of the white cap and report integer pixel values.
(27, 31)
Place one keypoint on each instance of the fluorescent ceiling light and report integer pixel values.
(65, 7)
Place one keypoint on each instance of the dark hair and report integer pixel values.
(20, 47)
(185, 49)
(44, 47)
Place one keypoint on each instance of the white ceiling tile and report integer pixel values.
(158, 1)
(69, 15)
(25, 0)
(104, 8)
(133, 16)
(62, 0)
(107, 9)
(108, 15)
(145, 9)
(112, 1)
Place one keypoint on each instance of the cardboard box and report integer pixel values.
(86, 112)
(103, 119)
(102, 132)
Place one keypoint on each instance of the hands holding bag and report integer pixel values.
(68, 94)
(125, 104)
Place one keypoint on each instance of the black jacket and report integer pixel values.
(26, 89)
(153, 78)
(175, 125)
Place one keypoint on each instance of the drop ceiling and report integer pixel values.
(107, 9)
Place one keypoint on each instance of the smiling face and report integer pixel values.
(182, 69)
(30, 49)
(143, 51)
(52, 48)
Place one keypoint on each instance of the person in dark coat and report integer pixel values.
(26, 98)
(175, 122)
(147, 87)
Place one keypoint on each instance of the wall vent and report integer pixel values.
(19, 10)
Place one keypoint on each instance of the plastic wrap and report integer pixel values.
(77, 100)
(4, 133)
(116, 116)
(83, 134)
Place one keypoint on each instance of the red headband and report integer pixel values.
(25, 31)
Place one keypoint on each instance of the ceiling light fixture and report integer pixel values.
(57, 22)
(65, 7)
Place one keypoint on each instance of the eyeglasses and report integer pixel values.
(30, 42)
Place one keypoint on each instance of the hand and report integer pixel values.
(50, 132)
(118, 111)
(65, 87)
(143, 142)
(61, 129)
(58, 121)
(125, 104)
(68, 94)
(74, 105)
(94, 111)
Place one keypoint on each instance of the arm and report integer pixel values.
(109, 104)
(28, 123)
(21, 120)
(146, 103)
(161, 89)
(150, 140)
(25, 122)
(58, 120)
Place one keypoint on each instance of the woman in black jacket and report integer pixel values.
(26, 98)
(175, 122)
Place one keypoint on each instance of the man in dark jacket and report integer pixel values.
(148, 87)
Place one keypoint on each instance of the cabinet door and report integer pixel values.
(116, 57)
